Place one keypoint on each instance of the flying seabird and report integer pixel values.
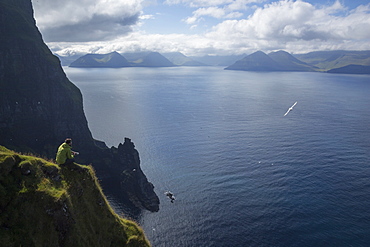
(290, 109)
(170, 195)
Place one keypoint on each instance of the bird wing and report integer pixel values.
(287, 112)
(290, 108)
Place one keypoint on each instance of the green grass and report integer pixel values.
(42, 204)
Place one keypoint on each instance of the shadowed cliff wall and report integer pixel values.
(40, 107)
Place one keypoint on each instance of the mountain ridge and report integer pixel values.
(351, 69)
(179, 59)
(275, 61)
(110, 60)
(116, 60)
(257, 61)
(326, 60)
(318, 61)
(152, 59)
(289, 62)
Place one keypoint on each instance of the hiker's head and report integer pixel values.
(69, 141)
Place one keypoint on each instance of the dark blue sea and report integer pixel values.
(242, 173)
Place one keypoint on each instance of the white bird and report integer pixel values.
(290, 109)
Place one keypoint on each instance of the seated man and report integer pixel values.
(65, 155)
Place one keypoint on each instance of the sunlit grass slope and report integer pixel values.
(42, 204)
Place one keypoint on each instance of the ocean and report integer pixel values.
(243, 174)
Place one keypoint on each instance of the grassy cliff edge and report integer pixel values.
(42, 204)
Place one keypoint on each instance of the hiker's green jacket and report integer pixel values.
(64, 153)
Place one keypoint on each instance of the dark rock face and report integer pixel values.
(131, 178)
(40, 107)
(35, 95)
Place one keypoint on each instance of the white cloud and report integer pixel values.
(237, 4)
(198, 3)
(199, 13)
(191, 20)
(241, 4)
(288, 21)
(134, 42)
(295, 26)
(146, 17)
(85, 20)
(227, 9)
(233, 15)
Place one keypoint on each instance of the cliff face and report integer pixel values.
(132, 178)
(42, 204)
(40, 107)
(35, 93)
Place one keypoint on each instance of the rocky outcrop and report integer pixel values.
(131, 178)
(43, 204)
(40, 107)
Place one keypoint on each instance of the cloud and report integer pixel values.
(85, 20)
(294, 21)
(294, 26)
(219, 9)
(212, 3)
(211, 11)
(146, 17)
(136, 42)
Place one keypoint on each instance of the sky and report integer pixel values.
(203, 27)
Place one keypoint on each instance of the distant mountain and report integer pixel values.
(180, 59)
(327, 60)
(218, 60)
(135, 57)
(147, 59)
(67, 60)
(289, 62)
(275, 61)
(257, 61)
(351, 69)
(110, 60)
(153, 59)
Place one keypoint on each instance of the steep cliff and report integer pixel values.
(40, 107)
(42, 204)
(35, 93)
